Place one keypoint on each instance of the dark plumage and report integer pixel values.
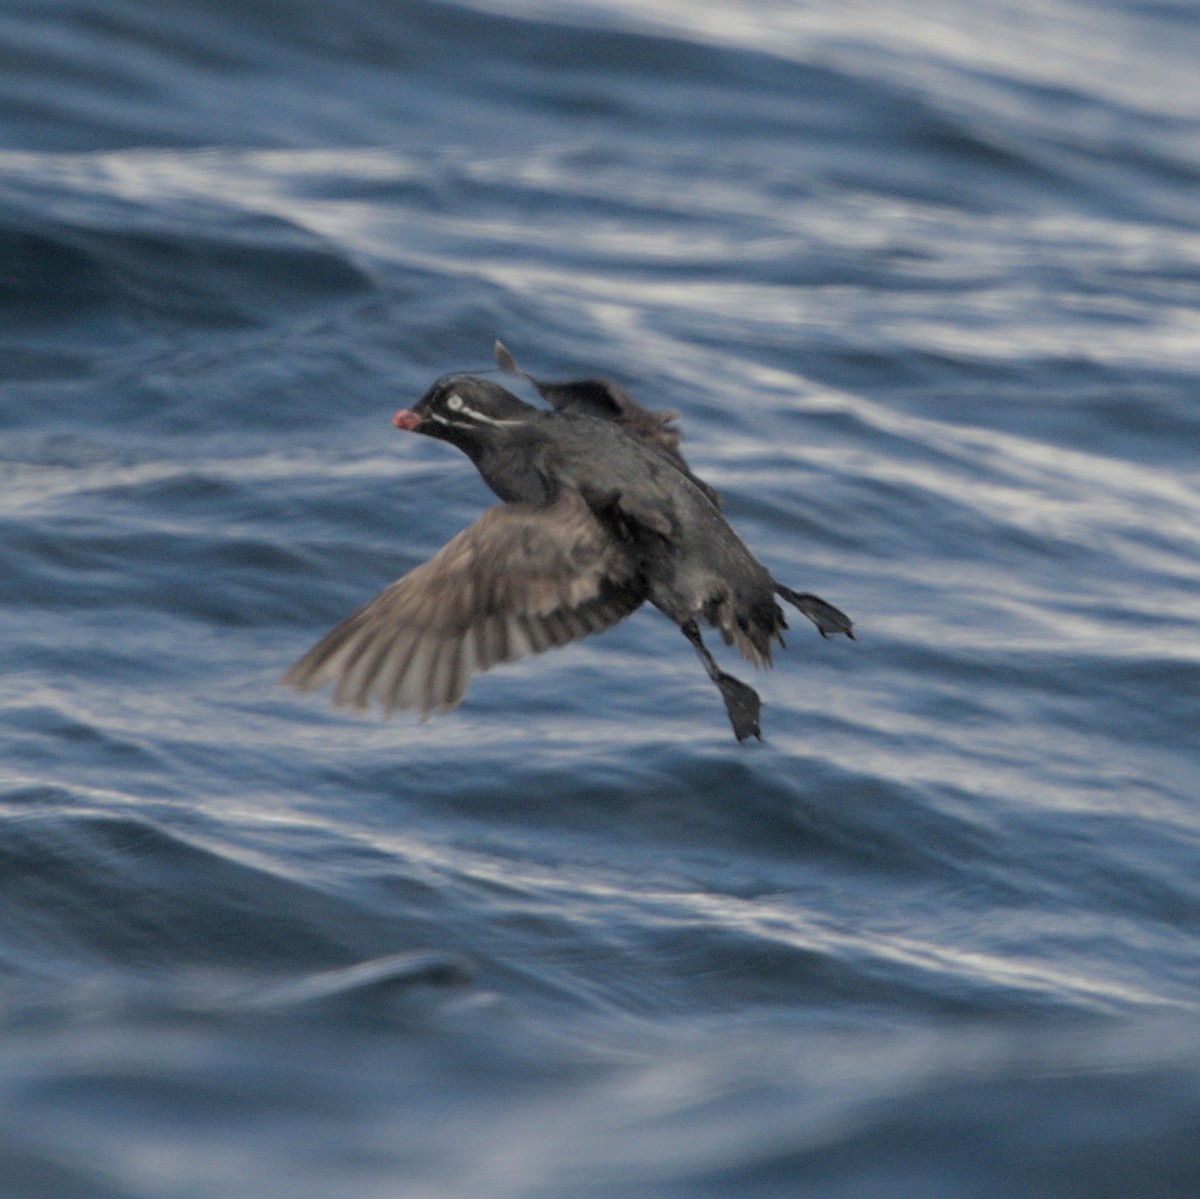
(600, 514)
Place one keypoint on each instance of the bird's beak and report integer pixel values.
(407, 419)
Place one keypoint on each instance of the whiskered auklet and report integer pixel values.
(600, 513)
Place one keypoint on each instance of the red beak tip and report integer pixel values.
(406, 419)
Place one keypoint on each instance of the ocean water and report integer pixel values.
(923, 281)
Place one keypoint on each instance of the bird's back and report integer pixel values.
(693, 563)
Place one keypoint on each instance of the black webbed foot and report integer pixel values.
(828, 619)
(741, 702)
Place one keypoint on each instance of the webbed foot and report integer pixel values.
(828, 619)
(742, 704)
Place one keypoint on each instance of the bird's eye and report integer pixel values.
(454, 401)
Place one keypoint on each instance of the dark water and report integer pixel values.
(924, 282)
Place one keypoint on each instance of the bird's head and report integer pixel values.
(464, 411)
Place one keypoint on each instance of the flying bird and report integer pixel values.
(599, 514)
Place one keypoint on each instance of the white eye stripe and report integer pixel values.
(455, 403)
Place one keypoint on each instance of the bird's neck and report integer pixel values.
(509, 465)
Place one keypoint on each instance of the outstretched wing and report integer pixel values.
(520, 580)
(607, 400)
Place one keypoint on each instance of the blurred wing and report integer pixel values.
(520, 580)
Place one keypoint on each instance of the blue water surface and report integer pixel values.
(923, 281)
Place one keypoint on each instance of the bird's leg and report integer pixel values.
(741, 702)
(825, 616)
